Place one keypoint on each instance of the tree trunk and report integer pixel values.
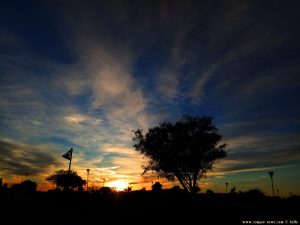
(182, 184)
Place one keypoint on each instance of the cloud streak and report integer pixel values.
(20, 158)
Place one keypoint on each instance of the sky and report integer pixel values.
(84, 74)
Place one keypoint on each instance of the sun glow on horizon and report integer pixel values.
(119, 185)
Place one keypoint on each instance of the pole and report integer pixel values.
(272, 186)
(70, 161)
(87, 180)
(271, 176)
(70, 165)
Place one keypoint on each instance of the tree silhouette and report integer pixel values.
(271, 176)
(157, 186)
(254, 193)
(25, 186)
(67, 181)
(185, 150)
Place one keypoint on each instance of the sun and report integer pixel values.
(120, 185)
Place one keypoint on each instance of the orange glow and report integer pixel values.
(44, 186)
(119, 185)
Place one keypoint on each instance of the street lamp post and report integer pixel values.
(87, 179)
(271, 176)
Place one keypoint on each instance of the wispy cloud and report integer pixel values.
(196, 93)
(260, 152)
(20, 158)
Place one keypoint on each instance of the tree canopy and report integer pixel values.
(157, 186)
(67, 181)
(185, 150)
(25, 186)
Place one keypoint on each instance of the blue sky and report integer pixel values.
(85, 74)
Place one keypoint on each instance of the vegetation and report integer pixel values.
(66, 180)
(167, 206)
(25, 186)
(156, 186)
(185, 150)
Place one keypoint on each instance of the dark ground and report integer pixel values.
(144, 207)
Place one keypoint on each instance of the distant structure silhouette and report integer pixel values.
(233, 190)
(226, 184)
(128, 189)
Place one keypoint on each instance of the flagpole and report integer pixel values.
(70, 164)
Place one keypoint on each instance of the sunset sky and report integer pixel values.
(84, 74)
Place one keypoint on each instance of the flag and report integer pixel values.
(68, 154)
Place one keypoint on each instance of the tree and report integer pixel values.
(157, 187)
(185, 150)
(67, 181)
(105, 191)
(25, 186)
(254, 194)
